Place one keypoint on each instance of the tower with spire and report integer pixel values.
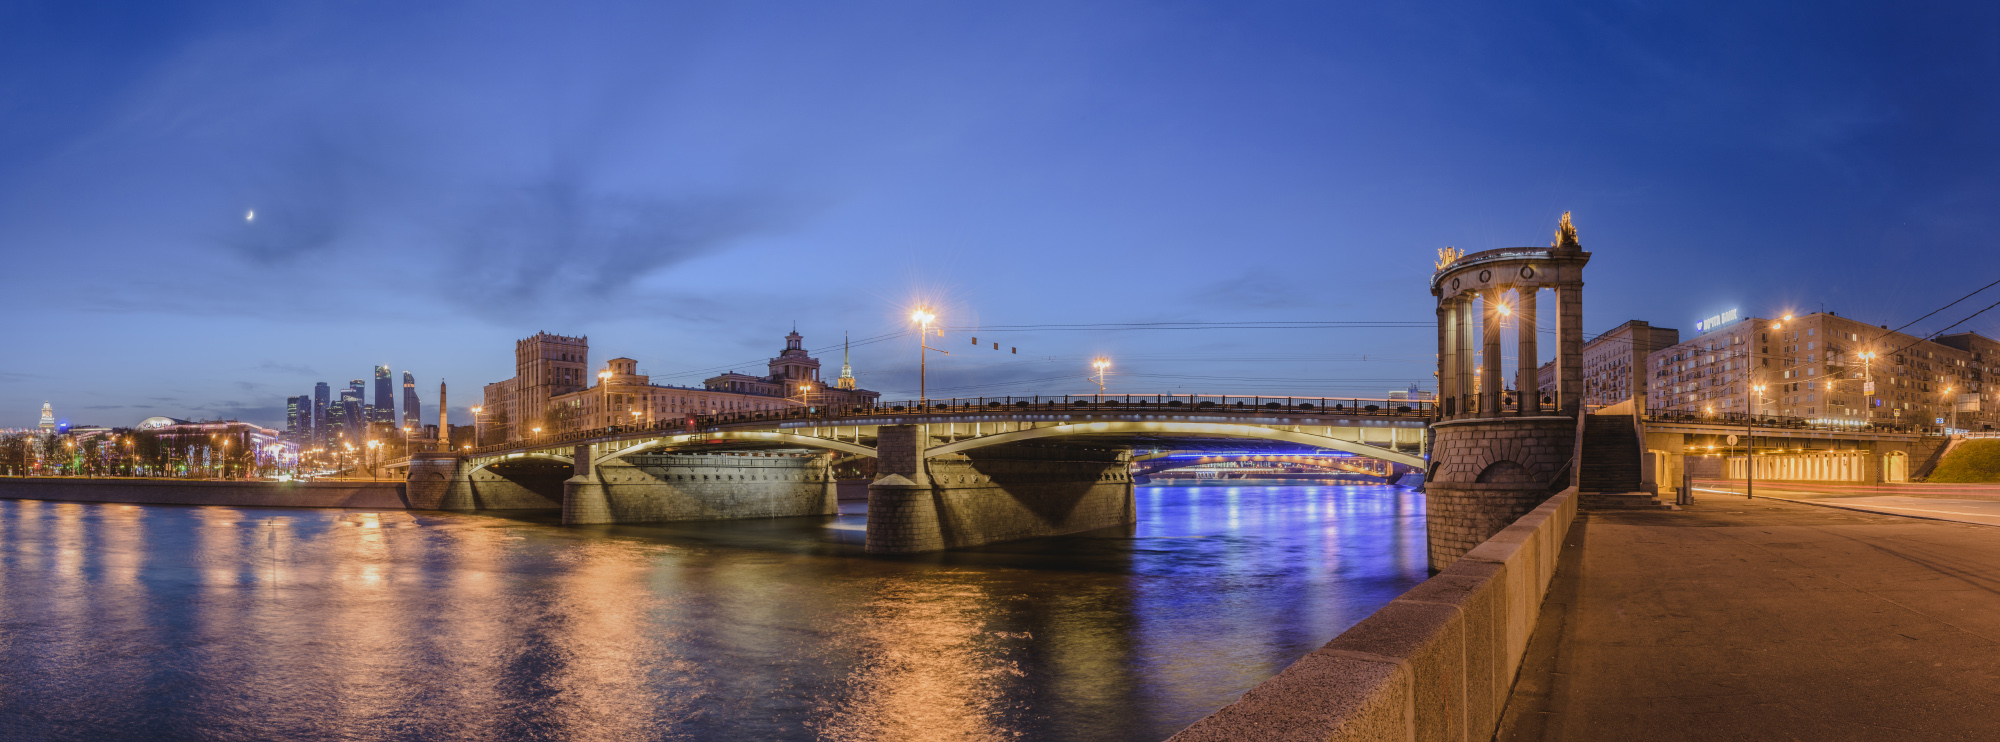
(846, 380)
(48, 419)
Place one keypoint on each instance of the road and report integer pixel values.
(1960, 503)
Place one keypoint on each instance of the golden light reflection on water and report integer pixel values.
(232, 623)
(920, 673)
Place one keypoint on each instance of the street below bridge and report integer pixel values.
(1963, 503)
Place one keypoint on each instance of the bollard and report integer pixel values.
(1686, 496)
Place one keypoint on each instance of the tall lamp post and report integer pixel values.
(604, 386)
(478, 437)
(1750, 445)
(1100, 363)
(923, 317)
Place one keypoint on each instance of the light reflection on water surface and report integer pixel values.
(121, 622)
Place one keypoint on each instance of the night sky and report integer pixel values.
(683, 182)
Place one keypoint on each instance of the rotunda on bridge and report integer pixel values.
(1500, 450)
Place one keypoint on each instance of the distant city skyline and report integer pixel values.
(682, 184)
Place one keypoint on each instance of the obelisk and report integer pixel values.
(444, 426)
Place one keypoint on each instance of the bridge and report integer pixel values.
(943, 474)
(1147, 465)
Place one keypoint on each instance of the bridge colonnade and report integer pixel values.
(1496, 455)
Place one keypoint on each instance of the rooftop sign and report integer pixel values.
(1715, 321)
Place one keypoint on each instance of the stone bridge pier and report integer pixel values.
(992, 494)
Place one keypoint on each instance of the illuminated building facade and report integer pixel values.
(1814, 367)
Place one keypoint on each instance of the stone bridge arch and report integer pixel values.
(790, 439)
(1179, 429)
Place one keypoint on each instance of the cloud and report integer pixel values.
(289, 368)
(559, 248)
(103, 406)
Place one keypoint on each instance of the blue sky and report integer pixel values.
(683, 182)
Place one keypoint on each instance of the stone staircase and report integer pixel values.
(1611, 477)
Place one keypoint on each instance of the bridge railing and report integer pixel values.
(1160, 403)
(1738, 419)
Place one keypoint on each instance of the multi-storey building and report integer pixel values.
(385, 397)
(321, 421)
(514, 408)
(1827, 369)
(292, 407)
(1614, 363)
(413, 417)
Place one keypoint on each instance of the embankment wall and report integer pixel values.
(1437, 663)
(375, 494)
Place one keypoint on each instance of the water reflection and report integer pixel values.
(134, 622)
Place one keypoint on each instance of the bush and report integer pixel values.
(1971, 462)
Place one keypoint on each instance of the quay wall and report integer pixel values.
(355, 493)
(1437, 663)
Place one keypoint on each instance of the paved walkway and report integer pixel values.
(1765, 620)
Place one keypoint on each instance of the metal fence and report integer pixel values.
(1219, 404)
(1737, 419)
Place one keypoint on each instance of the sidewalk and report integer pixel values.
(1760, 620)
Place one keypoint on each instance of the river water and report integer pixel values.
(123, 622)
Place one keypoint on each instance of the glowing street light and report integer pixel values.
(604, 386)
(1749, 445)
(1100, 363)
(923, 317)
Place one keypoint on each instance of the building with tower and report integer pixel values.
(48, 424)
(551, 390)
(846, 380)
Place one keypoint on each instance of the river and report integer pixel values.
(126, 622)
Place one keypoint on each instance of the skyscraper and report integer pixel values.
(292, 417)
(354, 409)
(320, 423)
(385, 397)
(412, 411)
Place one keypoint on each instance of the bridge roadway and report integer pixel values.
(1141, 423)
(953, 473)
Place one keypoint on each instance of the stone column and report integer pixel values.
(1465, 306)
(902, 511)
(1569, 347)
(1447, 354)
(1531, 394)
(1489, 362)
(584, 500)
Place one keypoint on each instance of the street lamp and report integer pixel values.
(1750, 445)
(604, 386)
(1100, 363)
(923, 317)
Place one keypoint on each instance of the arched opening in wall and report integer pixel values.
(1504, 472)
(1896, 467)
(527, 483)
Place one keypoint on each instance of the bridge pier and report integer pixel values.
(990, 495)
(585, 501)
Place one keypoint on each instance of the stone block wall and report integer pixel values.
(1435, 664)
(325, 493)
(995, 494)
(656, 488)
(1486, 473)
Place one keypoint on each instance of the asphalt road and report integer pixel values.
(1980, 511)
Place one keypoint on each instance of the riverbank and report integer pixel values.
(381, 494)
(1761, 619)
